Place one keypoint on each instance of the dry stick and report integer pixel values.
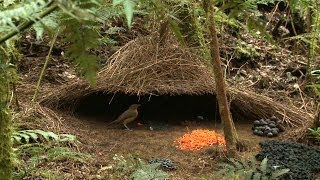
(14, 89)
(274, 11)
(44, 66)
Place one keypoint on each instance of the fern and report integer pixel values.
(79, 21)
(34, 157)
(22, 11)
(46, 24)
(83, 34)
(28, 136)
(66, 154)
(128, 6)
(315, 132)
(249, 170)
(149, 171)
(137, 169)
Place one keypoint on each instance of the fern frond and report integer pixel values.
(28, 136)
(48, 23)
(22, 11)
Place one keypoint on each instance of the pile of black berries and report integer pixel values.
(302, 160)
(267, 127)
(164, 163)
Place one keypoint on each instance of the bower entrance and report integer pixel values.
(164, 109)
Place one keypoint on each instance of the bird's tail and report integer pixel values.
(113, 123)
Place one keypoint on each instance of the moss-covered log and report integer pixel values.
(5, 122)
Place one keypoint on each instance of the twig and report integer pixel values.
(44, 66)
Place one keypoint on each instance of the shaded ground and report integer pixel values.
(146, 144)
(265, 75)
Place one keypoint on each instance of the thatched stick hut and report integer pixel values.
(144, 68)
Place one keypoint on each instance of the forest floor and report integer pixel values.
(146, 144)
(267, 78)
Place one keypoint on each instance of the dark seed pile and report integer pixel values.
(165, 163)
(267, 127)
(303, 161)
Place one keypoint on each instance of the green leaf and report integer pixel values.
(237, 164)
(263, 166)
(315, 72)
(174, 27)
(67, 138)
(248, 175)
(47, 135)
(17, 139)
(230, 173)
(240, 172)
(25, 137)
(128, 11)
(220, 173)
(116, 2)
(256, 176)
(245, 164)
(7, 3)
(33, 136)
(279, 173)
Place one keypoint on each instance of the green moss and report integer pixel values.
(5, 144)
(6, 166)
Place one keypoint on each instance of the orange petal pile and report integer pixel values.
(199, 139)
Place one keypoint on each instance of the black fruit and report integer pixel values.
(263, 127)
(303, 161)
(270, 134)
(256, 123)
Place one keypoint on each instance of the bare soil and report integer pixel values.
(104, 143)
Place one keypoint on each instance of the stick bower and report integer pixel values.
(143, 67)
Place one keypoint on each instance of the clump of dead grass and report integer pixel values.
(34, 116)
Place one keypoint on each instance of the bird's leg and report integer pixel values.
(127, 127)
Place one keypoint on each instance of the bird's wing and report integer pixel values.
(125, 115)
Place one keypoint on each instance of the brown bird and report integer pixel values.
(128, 116)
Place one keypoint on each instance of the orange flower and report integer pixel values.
(199, 139)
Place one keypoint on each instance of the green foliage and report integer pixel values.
(137, 169)
(28, 136)
(316, 86)
(128, 6)
(246, 49)
(249, 170)
(10, 15)
(149, 171)
(33, 159)
(7, 76)
(315, 133)
(80, 23)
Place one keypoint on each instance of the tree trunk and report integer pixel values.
(5, 125)
(228, 125)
